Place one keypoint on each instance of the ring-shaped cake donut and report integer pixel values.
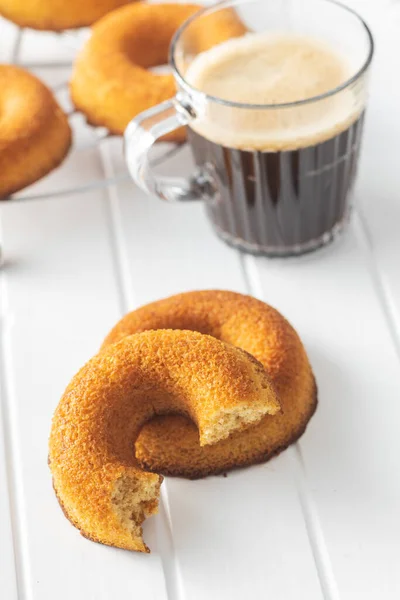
(112, 81)
(170, 444)
(100, 486)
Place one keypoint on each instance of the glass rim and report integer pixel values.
(229, 103)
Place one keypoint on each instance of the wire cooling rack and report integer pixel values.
(61, 48)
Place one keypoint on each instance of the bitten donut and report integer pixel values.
(111, 82)
(98, 482)
(34, 132)
(56, 15)
(170, 444)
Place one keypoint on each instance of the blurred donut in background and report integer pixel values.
(111, 81)
(56, 15)
(34, 132)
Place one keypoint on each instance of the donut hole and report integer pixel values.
(155, 53)
(134, 501)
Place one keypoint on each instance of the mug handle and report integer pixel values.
(139, 137)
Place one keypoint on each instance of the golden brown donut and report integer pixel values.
(170, 444)
(34, 132)
(111, 82)
(102, 489)
(56, 15)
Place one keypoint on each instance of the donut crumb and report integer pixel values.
(134, 501)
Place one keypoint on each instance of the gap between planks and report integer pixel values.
(12, 457)
(8, 413)
(126, 299)
(315, 534)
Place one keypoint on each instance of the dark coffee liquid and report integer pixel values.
(280, 203)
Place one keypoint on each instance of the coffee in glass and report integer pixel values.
(274, 119)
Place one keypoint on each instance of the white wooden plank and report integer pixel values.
(58, 264)
(11, 577)
(8, 541)
(244, 533)
(62, 297)
(378, 191)
(352, 444)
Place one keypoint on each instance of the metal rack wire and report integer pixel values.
(100, 137)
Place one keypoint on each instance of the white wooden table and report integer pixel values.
(321, 521)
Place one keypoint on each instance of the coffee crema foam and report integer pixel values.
(273, 69)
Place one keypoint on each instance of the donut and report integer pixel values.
(99, 484)
(111, 83)
(56, 15)
(34, 132)
(170, 444)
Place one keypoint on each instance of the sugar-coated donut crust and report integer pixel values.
(56, 15)
(170, 444)
(111, 82)
(91, 451)
(34, 132)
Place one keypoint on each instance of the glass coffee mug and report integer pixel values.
(276, 178)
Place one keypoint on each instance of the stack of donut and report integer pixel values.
(111, 81)
(192, 385)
